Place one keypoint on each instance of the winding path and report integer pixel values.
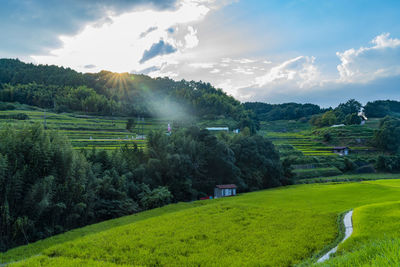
(348, 224)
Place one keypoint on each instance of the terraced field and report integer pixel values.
(277, 227)
(356, 136)
(304, 142)
(86, 132)
(302, 138)
(293, 137)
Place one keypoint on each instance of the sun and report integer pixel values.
(120, 82)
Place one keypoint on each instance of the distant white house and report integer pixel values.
(225, 190)
(341, 150)
(362, 116)
(226, 129)
(337, 125)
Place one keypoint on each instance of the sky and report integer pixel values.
(274, 51)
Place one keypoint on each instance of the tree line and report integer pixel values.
(286, 111)
(344, 113)
(47, 187)
(382, 108)
(108, 93)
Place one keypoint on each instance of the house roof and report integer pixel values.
(226, 186)
(340, 147)
(218, 128)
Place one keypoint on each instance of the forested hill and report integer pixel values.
(111, 93)
(286, 111)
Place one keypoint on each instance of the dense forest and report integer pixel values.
(108, 93)
(382, 108)
(287, 111)
(46, 187)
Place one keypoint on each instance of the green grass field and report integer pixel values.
(277, 227)
(376, 237)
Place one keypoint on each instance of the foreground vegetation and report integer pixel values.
(73, 153)
(47, 187)
(376, 238)
(276, 227)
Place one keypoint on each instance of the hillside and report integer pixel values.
(85, 131)
(79, 149)
(123, 94)
(278, 227)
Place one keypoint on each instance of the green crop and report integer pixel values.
(376, 237)
(276, 227)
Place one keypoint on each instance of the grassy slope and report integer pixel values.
(351, 177)
(277, 227)
(37, 247)
(376, 237)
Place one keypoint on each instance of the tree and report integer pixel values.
(352, 119)
(155, 198)
(130, 124)
(258, 161)
(388, 135)
(351, 106)
(329, 118)
(381, 108)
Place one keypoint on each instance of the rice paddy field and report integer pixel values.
(309, 142)
(293, 137)
(376, 237)
(86, 132)
(284, 226)
(304, 143)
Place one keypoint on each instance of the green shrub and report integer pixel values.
(18, 116)
(6, 106)
(317, 172)
(366, 169)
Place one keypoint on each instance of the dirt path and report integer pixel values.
(348, 224)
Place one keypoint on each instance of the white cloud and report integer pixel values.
(214, 71)
(202, 65)
(361, 71)
(244, 60)
(191, 38)
(369, 63)
(182, 43)
(226, 60)
(300, 70)
(243, 70)
(119, 44)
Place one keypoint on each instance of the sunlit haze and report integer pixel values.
(271, 51)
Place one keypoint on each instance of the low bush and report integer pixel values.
(18, 116)
(366, 169)
(6, 106)
(317, 172)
